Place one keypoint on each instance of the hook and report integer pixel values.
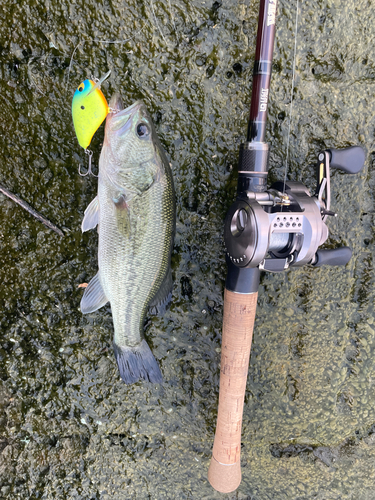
(89, 170)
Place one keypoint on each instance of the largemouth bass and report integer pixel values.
(135, 214)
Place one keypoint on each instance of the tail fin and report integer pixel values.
(136, 363)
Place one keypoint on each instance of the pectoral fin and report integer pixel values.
(91, 218)
(94, 297)
(163, 296)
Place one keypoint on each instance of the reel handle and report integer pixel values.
(336, 257)
(349, 160)
(224, 472)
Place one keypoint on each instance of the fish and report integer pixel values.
(135, 212)
(89, 110)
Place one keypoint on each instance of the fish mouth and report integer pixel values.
(117, 105)
(121, 117)
(116, 102)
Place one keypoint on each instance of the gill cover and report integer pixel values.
(89, 109)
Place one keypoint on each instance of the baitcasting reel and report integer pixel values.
(283, 226)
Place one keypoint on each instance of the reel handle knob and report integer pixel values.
(336, 257)
(349, 160)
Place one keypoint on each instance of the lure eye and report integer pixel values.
(143, 130)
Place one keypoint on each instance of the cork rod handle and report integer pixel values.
(224, 472)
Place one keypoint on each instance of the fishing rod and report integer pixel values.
(269, 229)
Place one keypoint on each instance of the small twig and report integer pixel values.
(98, 40)
(31, 211)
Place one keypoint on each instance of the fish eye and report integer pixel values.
(80, 88)
(143, 130)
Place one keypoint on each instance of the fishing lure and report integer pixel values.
(89, 110)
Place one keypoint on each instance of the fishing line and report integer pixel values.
(291, 96)
(98, 40)
(157, 24)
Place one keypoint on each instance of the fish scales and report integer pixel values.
(135, 213)
(132, 257)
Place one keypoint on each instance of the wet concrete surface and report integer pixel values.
(69, 427)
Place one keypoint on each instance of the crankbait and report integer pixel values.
(89, 110)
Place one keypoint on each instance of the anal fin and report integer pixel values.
(94, 297)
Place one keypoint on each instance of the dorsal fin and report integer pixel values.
(163, 296)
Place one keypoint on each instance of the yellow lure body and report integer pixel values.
(89, 109)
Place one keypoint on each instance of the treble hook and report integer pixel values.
(89, 170)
